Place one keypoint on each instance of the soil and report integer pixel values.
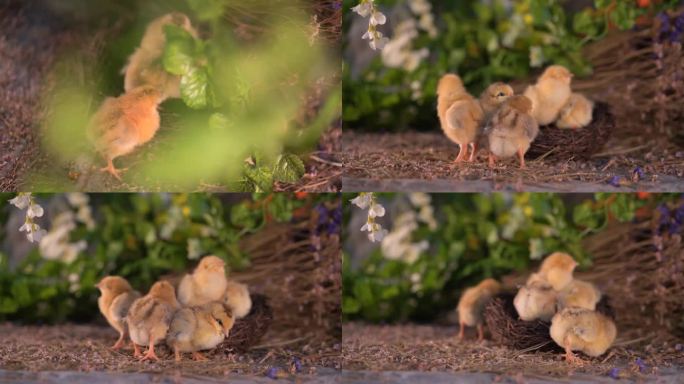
(428, 348)
(31, 42)
(85, 348)
(423, 161)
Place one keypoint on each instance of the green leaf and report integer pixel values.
(179, 53)
(195, 88)
(584, 24)
(260, 178)
(219, 122)
(289, 168)
(8, 305)
(207, 9)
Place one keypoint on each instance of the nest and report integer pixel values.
(564, 144)
(249, 330)
(508, 330)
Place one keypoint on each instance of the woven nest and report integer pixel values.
(508, 330)
(249, 330)
(564, 144)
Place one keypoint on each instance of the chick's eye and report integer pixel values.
(500, 94)
(219, 321)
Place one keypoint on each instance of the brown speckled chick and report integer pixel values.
(194, 329)
(207, 283)
(493, 97)
(511, 130)
(144, 66)
(114, 303)
(580, 329)
(472, 303)
(549, 94)
(124, 123)
(460, 114)
(150, 316)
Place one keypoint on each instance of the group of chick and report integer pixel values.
(123, 123)
(552, 293)
(505, 123)
(198, 316)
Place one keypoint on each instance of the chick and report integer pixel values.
(460, 114)
(150, 316)
(580, 329)
(576, 113)
(472, 304)
(579, 294)
(144, 66)
(557, 270)
(114, 303)
(493, 97)
(207, 283)
(535, 300)
(511, 130)
(123, 123)
(199, 328)
(237, 299)
(549, 94)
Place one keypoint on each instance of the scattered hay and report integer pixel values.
(564, 144)
(249, 330)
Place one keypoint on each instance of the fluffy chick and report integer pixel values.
(549, 94)
(472, 304)
(207, 283)
(237, 299)
(460, 114)
(579, 294)
(144, 66)
(493, 97)
(511, 130)
(580, 329)
(557, 270)
(150, 316)
(123, 123)
(576, 113)
(114, 303)
(535, 300)
(195, 329)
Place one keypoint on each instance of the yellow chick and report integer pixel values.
(124, 123)
(580, 329)
(535, 300)
(511, 130)
(207, 283)
(493, 97)
(472, 303)
(114, 303)
(195, 329)
(144, 65)
(150, 316)
(576, 113)
(237, 299)
(557, 270)
(579, 294)
(460, 114)
(549, 94)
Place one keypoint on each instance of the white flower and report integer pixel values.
(420, 7)
(194, 249)
(536, 57)
(84, 215)
(35, 236)
(77, 199)
(378, 18)
(419, 199)
(376, 210)
(493, 44)
(377, 235)
(34, 210)
(363, 200)
(379, 43)
(364, 9)
(22, 200)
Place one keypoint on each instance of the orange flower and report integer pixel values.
(643, 195)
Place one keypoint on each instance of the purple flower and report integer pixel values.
(637, 174)
(640, 363)
(614, 181)
(272, 373)
(614, 373)
(297, 364)
(679, 347)
(337, 5)
(679, 215)
(664, 22)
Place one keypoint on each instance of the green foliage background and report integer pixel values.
(128, 241)
(477, 236)
(470, 43)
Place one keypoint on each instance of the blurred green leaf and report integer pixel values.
(289, 168)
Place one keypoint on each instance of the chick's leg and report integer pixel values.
(177, 353)
(461, 330)
(136, 351)
(480, 332)
(150, 355)
(521, 155)
(112, 170)
(462, 149)
(492, 160)
(119, 343)
(472, 154)
(569, 356)
(198, 356)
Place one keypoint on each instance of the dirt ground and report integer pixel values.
(424, 162)
(436, 349)
(31, 41)
(85, 348)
